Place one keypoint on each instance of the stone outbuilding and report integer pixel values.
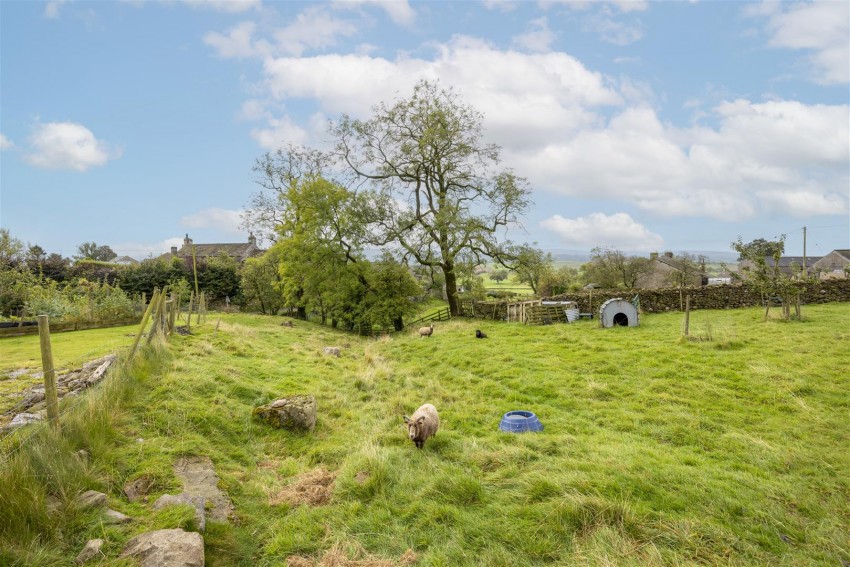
(618, 312)
(836, 264)
(665, 267)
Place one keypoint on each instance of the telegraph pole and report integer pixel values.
(805, 273)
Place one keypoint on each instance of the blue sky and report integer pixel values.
(639, 125)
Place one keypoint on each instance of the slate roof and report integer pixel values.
(676, 263)
(788, 261)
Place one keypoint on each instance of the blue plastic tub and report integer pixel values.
(520, 422)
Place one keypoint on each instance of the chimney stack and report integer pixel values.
(187, 241)
(668, 254)
(653, 255)
(174, 251)
(252, 239)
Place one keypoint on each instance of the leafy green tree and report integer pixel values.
(150, 274)
(391, 287)
(11, 249)
(91, 251)
(277, 175)
(532, 266)
(759, 248)
(219, 278)
(322, 266)
(611, 268)
(556, 282)
(499, 275)
(16, 283)
(55, 267)
(261, 282)
(93, 270)
(767, 278)
(439, 191)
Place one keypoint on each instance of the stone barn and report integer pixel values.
(618, 312)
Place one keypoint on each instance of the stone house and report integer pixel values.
(791, 266)
(664, 267)
(239, 251)
(833, 265)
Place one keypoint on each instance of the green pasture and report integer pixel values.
(70, 350)
(656, 450)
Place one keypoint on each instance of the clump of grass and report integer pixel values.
(42, 470)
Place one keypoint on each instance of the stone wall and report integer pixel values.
(706, 297)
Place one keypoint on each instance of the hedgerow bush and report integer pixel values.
(81, 301)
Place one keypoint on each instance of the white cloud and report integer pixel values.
(67, 145)
(238, 42)
(803, 203)
(399, 11)
(537, 37)
(822, 28)
(225, 6)
(501, 5)
(221, 219)
(551, 99)
(278, 133)
(314, 28)
(759, 157)
(619, 231)
(142, 250)
(5, 143)
(51, 9)
(622, 5)
(613, 31)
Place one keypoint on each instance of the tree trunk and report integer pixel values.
(398, 324)
(451, 289)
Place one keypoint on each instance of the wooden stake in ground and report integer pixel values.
(189, 314)
(157, 317)
(200, 306)
(172, 315)
(687, 314)
(50, 396)
(142, 326)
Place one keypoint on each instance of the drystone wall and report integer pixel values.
(705, 297)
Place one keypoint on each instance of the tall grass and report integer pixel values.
(42, 470)
(655, 451)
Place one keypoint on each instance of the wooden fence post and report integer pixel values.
(50, 396)
(189, 314)
(687, 314)
(158, 318)
(172, 316)
(142, 326)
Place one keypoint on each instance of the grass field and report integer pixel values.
(70, 350)
(655, 451)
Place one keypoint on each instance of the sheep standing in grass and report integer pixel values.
(426, 331)
(422, 425)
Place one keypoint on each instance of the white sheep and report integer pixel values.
(423, 424)
(426, 331)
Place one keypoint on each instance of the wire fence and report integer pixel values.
(162, 311)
